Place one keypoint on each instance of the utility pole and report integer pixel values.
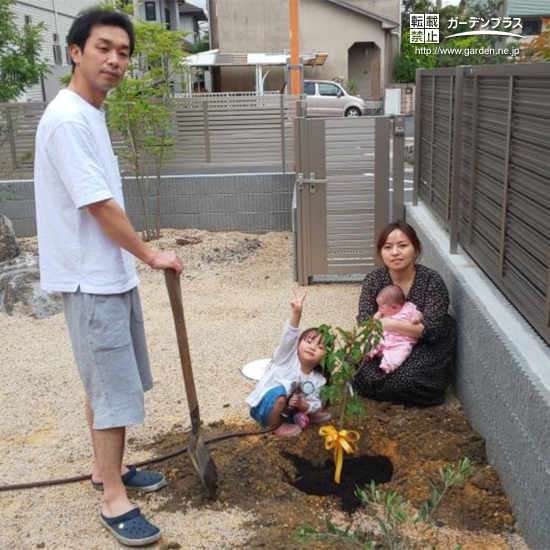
(295, 67)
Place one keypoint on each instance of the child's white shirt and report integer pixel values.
(284, 369)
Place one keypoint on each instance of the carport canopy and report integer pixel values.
(215, 58)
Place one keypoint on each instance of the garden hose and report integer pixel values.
(76, 479)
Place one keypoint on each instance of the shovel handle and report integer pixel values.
(174, 293)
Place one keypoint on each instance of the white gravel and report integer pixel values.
(236, 298)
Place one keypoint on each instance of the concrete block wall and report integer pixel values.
(225, 202)
(502, 379)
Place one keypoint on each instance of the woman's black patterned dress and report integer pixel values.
(425, 375)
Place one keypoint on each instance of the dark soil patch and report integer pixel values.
(359, 471)
(233, 252)
(186, 241)
(272, 477)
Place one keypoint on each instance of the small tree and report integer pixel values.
(139, 109)
(538, 49)
(401, 526)
(345, 351)
(20, 65)
(408, 60)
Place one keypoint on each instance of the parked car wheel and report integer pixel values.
(353, 111)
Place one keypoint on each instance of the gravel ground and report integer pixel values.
(236, 291)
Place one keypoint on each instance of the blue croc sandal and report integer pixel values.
(139, 480)
(132, 528)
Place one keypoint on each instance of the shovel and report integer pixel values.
(198, 452)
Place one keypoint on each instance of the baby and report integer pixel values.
(394, 347)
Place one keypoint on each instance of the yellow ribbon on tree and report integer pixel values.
(344, 440)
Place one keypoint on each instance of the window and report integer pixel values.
(309, 88)
(150, 11)
(67, 55)
(28, 20)
(167, 19)
(57, 50)
(329, 89)
(531, 27)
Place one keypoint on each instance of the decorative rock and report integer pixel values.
(8, 245)
(20, 292)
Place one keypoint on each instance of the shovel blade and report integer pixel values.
(203, 464)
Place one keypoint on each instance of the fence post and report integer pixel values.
(398, 167)
(381, 176)
(417, 119)
(302, 209)
(432, 141)
(457, 158)
(450, 146)
(283, 132)
(506, 182)
(206, 131)
(473, 160)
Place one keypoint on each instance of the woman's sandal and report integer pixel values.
(132, 528)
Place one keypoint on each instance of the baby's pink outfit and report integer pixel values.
(395, 347)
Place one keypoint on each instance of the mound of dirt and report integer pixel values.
(287, 483)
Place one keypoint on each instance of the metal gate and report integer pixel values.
(342, 193)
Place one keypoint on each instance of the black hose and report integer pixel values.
(172, 454)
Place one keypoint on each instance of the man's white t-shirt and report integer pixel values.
(74, 167)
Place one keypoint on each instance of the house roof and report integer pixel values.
(537, 8)
(386, 23)
(186, 8)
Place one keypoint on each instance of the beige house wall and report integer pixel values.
(244, 26)
(389, 9)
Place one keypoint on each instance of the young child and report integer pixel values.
(394, 347)
(295, 361)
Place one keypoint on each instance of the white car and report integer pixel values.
(326, 98)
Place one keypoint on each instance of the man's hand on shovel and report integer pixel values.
(166, 260)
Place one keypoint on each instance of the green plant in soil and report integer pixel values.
(393, 514)
(345, 352)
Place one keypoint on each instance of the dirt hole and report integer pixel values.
(357, 471)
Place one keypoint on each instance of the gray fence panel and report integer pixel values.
(503, 219)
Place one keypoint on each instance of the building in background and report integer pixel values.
(190, 19)
(360, 38)
(57, 16)
(534, 14)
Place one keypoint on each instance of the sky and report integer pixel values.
(199, 3)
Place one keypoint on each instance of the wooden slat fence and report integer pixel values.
(482, 165)
(248, 132)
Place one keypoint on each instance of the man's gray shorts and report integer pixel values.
(110, 350)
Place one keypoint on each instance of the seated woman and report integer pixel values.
(426, 373)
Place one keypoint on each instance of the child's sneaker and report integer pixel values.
(320, 417)
(288, 430)
(301, 419)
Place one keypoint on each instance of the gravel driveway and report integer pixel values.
(236, 289)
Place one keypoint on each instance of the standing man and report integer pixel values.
(87, 244)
